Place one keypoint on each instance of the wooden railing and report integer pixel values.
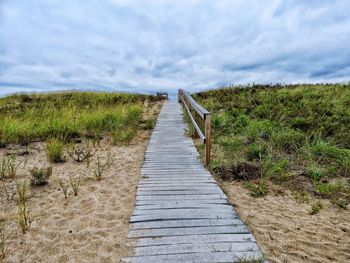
(194, 111)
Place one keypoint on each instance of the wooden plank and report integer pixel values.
(183, 231)
(181, 214)
(204, 191)
(186, 223)
(188, 215)
(218, 257)
(217, 209)
(191, 239)
(181, 197)
(193, 205)
(180, 201)
(196, 248)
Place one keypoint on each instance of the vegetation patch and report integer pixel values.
(68, 115)
(40, 176)
(298, 136)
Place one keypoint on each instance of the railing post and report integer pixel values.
(207, 138)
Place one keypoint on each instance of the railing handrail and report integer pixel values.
(188, 102)
(198, 108)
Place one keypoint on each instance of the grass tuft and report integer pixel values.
(40, 176)
(316, 207)
(23, 212)
(257, 189)
(64, 188)
(75, 184)
(101, 167)
(55, 148)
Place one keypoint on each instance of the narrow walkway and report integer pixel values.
(181, 215)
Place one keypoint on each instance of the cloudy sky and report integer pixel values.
(150, 45)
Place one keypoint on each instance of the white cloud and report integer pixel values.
(152, 45)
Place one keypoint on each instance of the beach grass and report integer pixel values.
(64, 116)
(293, 133)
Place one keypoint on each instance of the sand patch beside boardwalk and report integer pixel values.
(90, 227)
(286, 231)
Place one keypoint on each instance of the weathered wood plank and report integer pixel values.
(196, 248)
(181, 214)
(218, 257)
(191, 239)
(178, 192)
(186, 223)
(183, 231)
(184, 202)
(221, 209)
(182, 197)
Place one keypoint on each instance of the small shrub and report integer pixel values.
(123, 136)
(301, 123)
(324, 150)
(149, 124)
(64, 188)
(288, 140)
(40, 176)
(276, 170)
(340, 202)
(82, 153)
(256, 152)
(23, 213)
(329, 189)
(301, 197)
(316, 207)
(241, 121)
(257, 189)
(3, 238)
(74, 183)
(315, 172)
(55, 149)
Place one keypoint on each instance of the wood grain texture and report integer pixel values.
(180, 214)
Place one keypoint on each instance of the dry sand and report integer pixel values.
(286, 231)
(90, 227)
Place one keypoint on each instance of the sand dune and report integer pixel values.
(90, 227)
(287, 232)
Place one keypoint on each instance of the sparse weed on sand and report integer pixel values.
(75, 184)
(8, 166)
(23, 212)
(102, 166)
(316, 207)
(3, 238)
(64, 187)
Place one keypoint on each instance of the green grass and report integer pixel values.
(289, 131)
(28, 118)
(316, 207)
(54, 150)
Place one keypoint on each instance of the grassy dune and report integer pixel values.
(70, 163)
(297, 136)
(27, 118)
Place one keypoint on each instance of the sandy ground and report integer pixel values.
(90, 227)
(286, 231)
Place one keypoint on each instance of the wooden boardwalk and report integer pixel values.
(181, 215)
